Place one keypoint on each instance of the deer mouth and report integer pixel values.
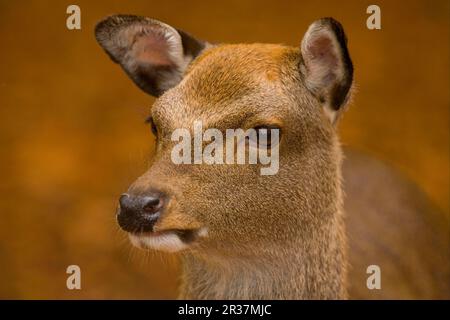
(166, 240)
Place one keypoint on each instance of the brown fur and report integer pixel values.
(283, 236)
(391, 223)
(258, 246)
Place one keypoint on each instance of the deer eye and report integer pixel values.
(153, 126)
(264, 135)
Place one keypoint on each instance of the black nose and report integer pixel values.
(139, 213)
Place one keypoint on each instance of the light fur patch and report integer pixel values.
(169, 242)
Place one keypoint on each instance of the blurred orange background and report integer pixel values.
(72, 136)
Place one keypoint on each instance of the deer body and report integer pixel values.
(246, 236)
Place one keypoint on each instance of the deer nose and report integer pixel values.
(139, 213)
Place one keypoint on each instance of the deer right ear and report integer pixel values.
(154, 54)
(326, 65)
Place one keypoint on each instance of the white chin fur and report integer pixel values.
(169, 242)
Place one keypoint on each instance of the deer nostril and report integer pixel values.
(138, 213)
(152, 204)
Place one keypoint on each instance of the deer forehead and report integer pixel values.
(231, 79)
(230, 70)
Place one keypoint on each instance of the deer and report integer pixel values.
(308, 232)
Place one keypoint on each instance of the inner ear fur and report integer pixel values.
(326, 65)
(152, 53)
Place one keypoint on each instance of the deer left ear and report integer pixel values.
(152, 53)
(326, 65)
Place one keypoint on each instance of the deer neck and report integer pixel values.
(311, 267)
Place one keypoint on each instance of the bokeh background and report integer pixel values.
(72, 136)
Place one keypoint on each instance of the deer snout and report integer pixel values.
(139, 213)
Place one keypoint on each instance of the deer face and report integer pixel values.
(231, 208)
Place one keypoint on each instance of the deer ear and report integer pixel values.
(326, 65)
(154, 54)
